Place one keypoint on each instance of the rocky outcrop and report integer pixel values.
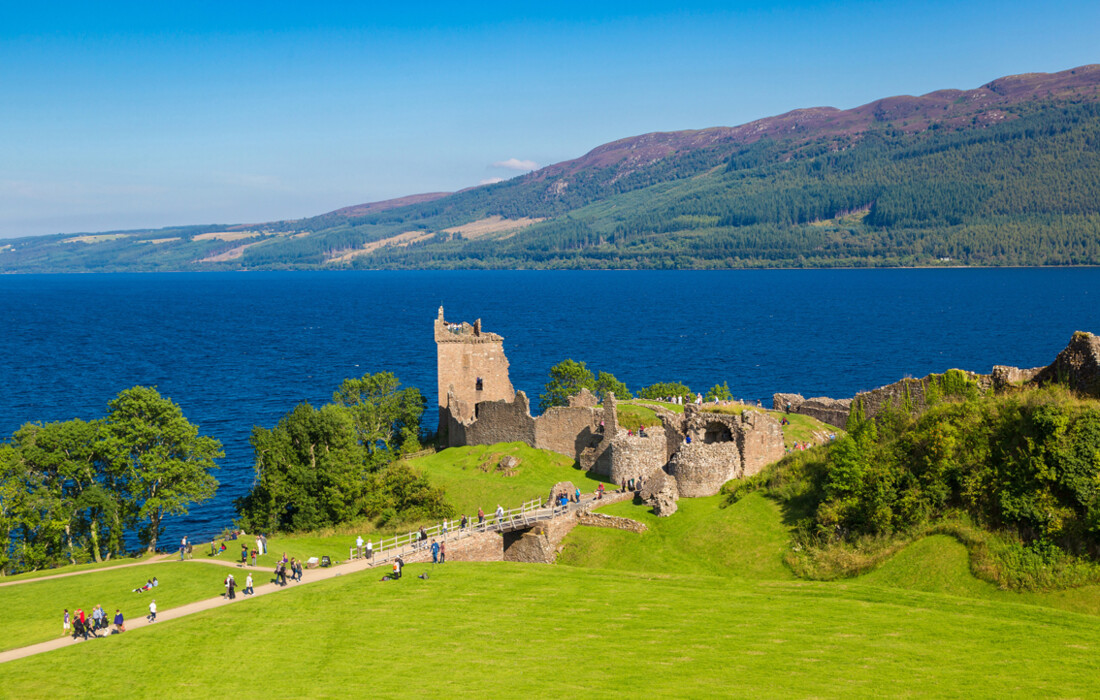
(1077, 366)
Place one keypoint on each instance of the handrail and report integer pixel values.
(529, 512)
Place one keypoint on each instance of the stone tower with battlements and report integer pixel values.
(471, 367)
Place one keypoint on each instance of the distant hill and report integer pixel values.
(1004, 174)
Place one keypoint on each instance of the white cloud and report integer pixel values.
(491, 181)
(516, 164)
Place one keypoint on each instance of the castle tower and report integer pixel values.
(471, 365)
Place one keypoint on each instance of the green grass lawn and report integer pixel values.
(469, 477)
(746, 540)
(32, 611)
(68, 569)
(634, 416)
(511, 630)
(674, 407)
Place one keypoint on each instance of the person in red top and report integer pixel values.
(599, 491)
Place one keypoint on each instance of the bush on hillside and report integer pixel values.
(1025, 466)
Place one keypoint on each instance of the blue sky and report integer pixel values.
(152, 114)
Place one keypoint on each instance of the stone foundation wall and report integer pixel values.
(611, 521)
(485, 546)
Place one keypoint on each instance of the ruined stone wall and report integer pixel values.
(1078, 366)
(760, 440)
(539, 544)
(831, 411)
(501, 421)
(611, 521)
(907, 394)
(635, 457)
(1004, 377)
(464, 355)
(567, 430)
(700, 469)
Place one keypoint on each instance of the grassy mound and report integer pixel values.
(470, 476)
(746, 540)
(504, 630)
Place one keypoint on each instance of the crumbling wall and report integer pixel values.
(700, 469)
(471, 364)
(567, 430)
(831, 411)
(501, 421)
(1005, 378)
(761, 441)
(1077, 366)
(635, 457)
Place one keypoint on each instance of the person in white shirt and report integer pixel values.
(153, 611)
(370, 552)
(359, 545)
(248, 585)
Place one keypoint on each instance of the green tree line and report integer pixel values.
(70, 491)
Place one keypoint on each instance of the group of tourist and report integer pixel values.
(82, 626)
(295, 566)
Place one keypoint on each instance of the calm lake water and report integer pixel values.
(236, 350)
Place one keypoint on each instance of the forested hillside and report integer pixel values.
(1006, 174)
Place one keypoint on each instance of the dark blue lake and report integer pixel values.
(241, 349)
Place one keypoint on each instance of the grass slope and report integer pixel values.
(510, 630)
(469, 477)
(746, 540)
(33, 611)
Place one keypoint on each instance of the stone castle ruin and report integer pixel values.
(692, 454)
(1077, 366)
(696, 451)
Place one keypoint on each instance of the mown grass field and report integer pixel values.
(510, 630)
(698, 606)
(68, 569)
(33, 611)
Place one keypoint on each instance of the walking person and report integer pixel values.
(435, 552)
(443, 553)
(97, 613)
(152, 617)
(254, 554)
(359, 545)
(120, 623)
(500, 513)
(244, 554)
(298, 570)
(65, 623)
(231, 587)
(248, 584)
(480, 516)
